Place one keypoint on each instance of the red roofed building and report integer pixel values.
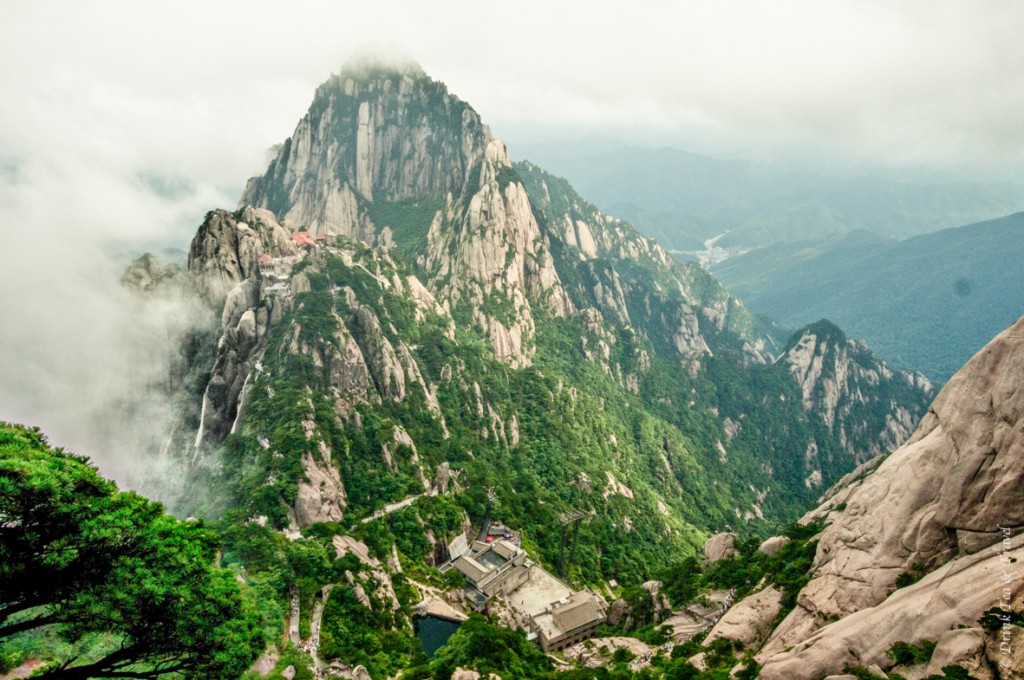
(303, 239)
(266, 263)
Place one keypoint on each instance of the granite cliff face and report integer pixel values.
(944, 508)
(374, 132)
(146, 275)
(225, 251)
(870, 407)
(493, 256)
(223, 271)
(389, 158)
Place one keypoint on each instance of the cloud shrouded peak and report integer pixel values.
(370, 62)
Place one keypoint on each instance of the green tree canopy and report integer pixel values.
(481, 645)
(77, 554)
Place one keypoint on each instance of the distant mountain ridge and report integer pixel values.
(683, 198)
(926, 303)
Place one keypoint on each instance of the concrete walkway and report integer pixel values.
(392, 507)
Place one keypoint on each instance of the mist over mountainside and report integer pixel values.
(684, 199)
(677, 341)
(464, 248)
(927, 303)
(411, 336)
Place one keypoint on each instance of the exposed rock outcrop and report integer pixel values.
(441, 479)
(719, 547)
(954, 595)
(772, 546)
(964, 647)
(750, 620)
(600, 651)
(146, 274)
(244, 328)
(945, 501)
(384, 366)
(349, 374)
(375, 132)
(853, 392)
(491, 257)
(321, 495)
(223, 271)
(375, 579)
(225, 250)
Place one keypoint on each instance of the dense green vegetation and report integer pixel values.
(994, 618)
(908, 654)
(914, 573)
(409, 221)
(788, 570)
(378, 636)
(102, 583)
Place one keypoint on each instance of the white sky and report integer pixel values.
(201, 89)
(97, 96)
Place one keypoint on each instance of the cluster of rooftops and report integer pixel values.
(497, 568)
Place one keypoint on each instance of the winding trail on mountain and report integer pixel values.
(392, 507)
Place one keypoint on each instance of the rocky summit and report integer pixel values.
(451, 377)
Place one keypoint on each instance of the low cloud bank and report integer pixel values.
(82, 356)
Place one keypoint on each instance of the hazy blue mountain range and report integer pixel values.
(927, 303)
(683, 198)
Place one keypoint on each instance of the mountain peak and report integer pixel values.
(372, 63)
(380, 130)
(822, 329)
(841, 379)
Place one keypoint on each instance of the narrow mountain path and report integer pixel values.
(392, 507)
(313, 644)
(293, 618)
